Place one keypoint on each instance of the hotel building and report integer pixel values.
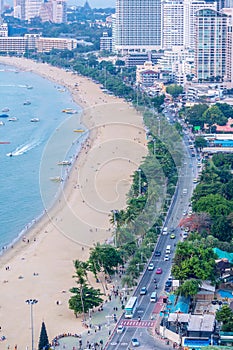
(211, 45)
(137, 26)
(178, 22)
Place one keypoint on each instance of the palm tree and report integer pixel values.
(81, 275)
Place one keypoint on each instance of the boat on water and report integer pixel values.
(5, 109)
(29, 87)
(2, 123)
(79, 130)
(27, 103)
(56, 179)
(4, 116)
(12, 119)
(64, 162)
(4, 142)
(69, 111)
(35, 120)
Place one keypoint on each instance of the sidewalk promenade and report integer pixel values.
(100, 324)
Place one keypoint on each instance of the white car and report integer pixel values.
(166, 258)
(120, 329)
(135, 342)
(151, 267)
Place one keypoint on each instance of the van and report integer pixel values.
(165, 231)
(168, 249)
(153, 297)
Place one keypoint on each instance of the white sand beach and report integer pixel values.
(100, 178)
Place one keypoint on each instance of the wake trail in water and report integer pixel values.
(23, 149)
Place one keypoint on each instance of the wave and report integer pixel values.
(23, 149)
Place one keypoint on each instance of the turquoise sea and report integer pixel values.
(29, 161)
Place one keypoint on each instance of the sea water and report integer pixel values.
(29, 161)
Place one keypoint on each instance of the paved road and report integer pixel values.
(145, 308)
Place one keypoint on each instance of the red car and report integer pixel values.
(158, 271)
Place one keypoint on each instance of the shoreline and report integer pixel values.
(98, 181)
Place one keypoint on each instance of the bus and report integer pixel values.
(130, 307)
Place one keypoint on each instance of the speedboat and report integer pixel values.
(2, 123)
(35, 120)
(12, 119)
(4, 115)
(69, 111)
(5, 109)
(64, 162)
(27, 103)
(56, 179)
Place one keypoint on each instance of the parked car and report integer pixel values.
(158, 271)
(166, 257)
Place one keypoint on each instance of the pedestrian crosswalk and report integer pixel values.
(138, 324)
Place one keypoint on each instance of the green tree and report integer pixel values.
(174, 90)
(189, 288)
(105, 258)
(226, 109)
(194, 115)
(213, 115)
(43, 341)
(84, 298)
(225, 314)
(200, 142)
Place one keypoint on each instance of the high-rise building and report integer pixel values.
(19, 9)
(54, 11)
(59, 11)
(178, 22)
(32, 9)
(137, 26)
(211, 45)
(229, 53)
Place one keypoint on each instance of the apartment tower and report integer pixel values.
(211, 46)
(137, 26)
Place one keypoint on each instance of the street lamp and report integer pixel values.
(139, 181)
(31, 302)
(115, 225)
(154, 142)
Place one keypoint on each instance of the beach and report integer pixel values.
(40, 266)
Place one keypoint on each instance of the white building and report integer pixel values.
(59, 11)
(178, 22)
(3, 30)
(137, 26)
(32, 8)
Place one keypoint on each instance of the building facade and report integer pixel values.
(179, 20)
(211, 46)
(137, 25)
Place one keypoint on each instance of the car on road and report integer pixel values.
(157, 253)
(172, 236)
(150, 267)
(135, 342)
(143, 291)
(185, 235)
(168, 283)
(158, 271)
(195, 180)
(185, 191)
(120, 329)
(166, 257)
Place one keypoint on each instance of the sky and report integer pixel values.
(94, 3)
